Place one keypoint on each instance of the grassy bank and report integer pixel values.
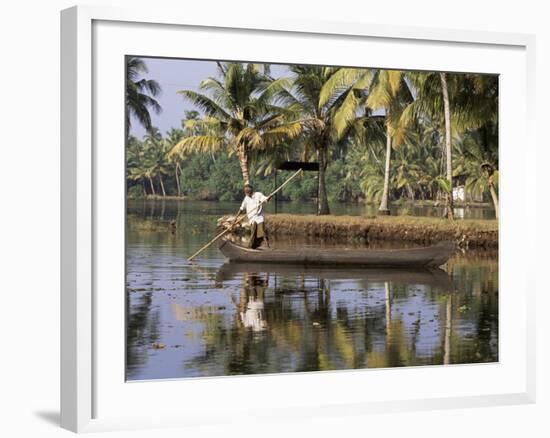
(425, 230)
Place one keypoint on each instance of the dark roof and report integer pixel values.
(296, 165)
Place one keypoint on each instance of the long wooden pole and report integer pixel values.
(224, 232)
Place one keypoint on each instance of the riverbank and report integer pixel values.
(423, 230)
(157, 198)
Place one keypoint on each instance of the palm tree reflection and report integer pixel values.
(448, 329)
(330, 319)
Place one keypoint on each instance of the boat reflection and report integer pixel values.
(435, 278)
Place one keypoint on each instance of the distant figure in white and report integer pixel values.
(252, 206)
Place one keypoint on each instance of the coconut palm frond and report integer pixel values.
(378, 98)
(270, 121)
(274, 90)
(345, 112)
(339, 81)
(211, 84)
(198, 144)
(393, 80)
(281, 133)
(250, 137)
(149, 86)
(206, 104)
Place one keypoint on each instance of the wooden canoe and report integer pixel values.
(427, 257)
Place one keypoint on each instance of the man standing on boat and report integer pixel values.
(252, 206)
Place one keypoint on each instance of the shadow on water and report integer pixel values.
(218, 318)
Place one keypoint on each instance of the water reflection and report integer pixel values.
(436, 278)
(218, 318)
(251, 305)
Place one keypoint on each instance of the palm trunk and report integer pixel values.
(447, 108)
(243, 161)
(494, 196)
(152, 186)
(178, 179)
(383, 209)
(162, 185)
(144, 188)
(410, 192)
(322, 201)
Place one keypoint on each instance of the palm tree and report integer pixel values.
(372, 170)
(448, 146)
(478, 100)
(240, 105)
(140, 167)
(327, 99)
(190, 115)
(157, 157)
(491, 174)
(413, 171)
(194, 126)
(462, 101)
(140, 93)
(135, 168)
(389, 92)
(433, 104)
(477, 162)
(174, 136)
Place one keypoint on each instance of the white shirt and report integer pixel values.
(250, 205)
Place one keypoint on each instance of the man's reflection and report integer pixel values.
(251, 304)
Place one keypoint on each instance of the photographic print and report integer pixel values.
(291, 218)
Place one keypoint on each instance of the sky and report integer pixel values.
(182, 74)
(174, 75)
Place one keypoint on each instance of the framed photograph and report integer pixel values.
(269, 207)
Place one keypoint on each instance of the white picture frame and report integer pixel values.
(83, 383)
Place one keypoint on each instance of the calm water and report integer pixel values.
(371, 210)
(215, 318)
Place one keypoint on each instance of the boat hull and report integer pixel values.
(428, 257)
